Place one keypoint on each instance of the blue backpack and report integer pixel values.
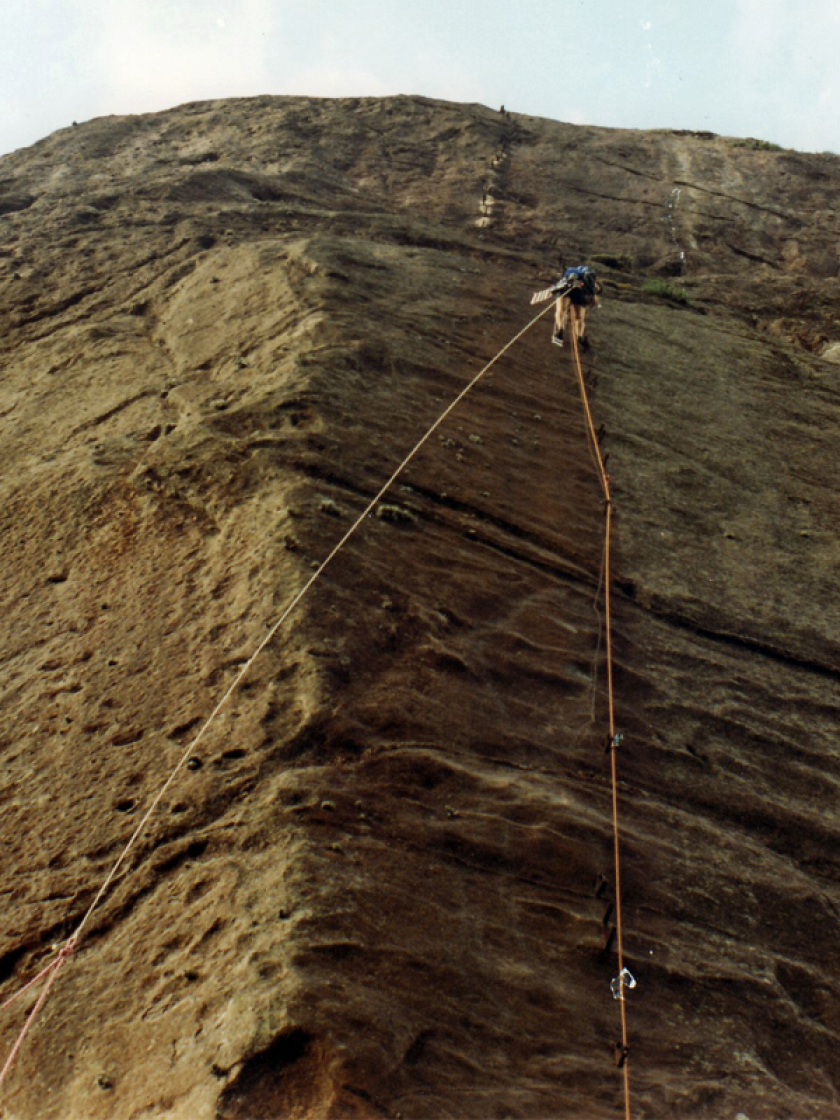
(581, 274)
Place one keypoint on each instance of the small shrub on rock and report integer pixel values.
(662, 288)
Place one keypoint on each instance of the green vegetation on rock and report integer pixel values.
(658, 287)
(757, 145)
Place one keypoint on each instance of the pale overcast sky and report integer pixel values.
(763, 68)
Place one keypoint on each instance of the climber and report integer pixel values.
(579, 288)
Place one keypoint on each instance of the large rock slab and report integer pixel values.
(379, 886)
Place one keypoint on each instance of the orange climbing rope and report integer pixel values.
(613, 741)
(49, 973)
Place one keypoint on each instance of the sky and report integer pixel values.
(766, 69)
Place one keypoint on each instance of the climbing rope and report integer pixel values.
(624, 978)
(52, 969)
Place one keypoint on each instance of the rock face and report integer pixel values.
(377, 888)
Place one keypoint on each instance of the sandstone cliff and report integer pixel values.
(377, 889)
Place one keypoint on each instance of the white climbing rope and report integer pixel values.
(63, 953)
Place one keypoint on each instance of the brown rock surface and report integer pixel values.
(372, 892)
